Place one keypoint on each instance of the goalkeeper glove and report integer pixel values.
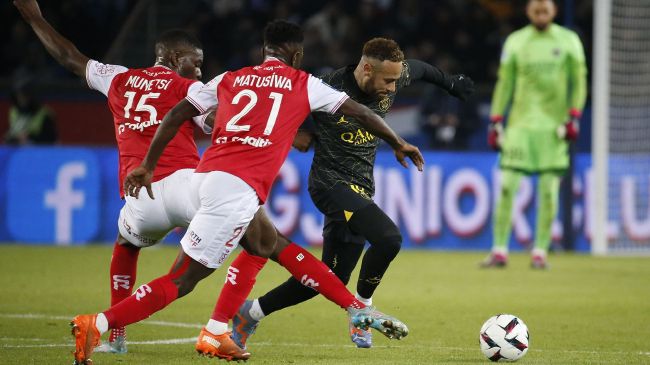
(571, 129)
(461, 86)
(495, 132)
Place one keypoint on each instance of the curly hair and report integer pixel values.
(383, 49)
(279, 32)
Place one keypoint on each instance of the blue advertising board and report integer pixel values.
(70, 196)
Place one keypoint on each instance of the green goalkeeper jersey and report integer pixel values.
(542, 76)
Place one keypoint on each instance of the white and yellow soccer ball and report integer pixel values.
(504, 337)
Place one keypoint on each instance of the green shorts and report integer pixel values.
(534, 151)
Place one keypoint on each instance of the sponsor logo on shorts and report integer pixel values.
(360, 190)
(300, 257)
(195, 239)
(143, 239)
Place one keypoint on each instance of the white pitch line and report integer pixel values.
(176, 341)
(171, 341)
(68, 318)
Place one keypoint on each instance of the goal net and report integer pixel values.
(621, 125)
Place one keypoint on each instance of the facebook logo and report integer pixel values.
(53, 195)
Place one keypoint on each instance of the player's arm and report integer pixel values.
(171, 123)
(460, 86)
(502, 94)
(577, 71)
(63, 51)
(376, 125)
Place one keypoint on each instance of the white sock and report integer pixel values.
(101, 323)
(366, 301)
(256, 311)
(216, 327)
(538, 252)
(501, 251)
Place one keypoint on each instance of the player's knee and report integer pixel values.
(185, 285)
(391, 243)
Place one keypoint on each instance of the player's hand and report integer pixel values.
(571, 129)
(302, 141)
(412, 152)
(136, 179)
(495, 132)
(28, 9)
(461, 86)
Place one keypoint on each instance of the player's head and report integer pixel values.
(541, 13)
(180, 51)
(283, 40)
(380, 67)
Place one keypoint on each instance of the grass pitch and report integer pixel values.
(584, 310)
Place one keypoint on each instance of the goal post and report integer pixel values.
(620, 201)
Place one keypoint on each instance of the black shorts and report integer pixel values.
(338, 204)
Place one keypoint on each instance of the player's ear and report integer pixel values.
(296, 60)
(174, 59)
(367, 69)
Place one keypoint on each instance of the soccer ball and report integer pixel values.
(504, 337)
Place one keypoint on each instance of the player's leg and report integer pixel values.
(548, 189)
(502, 224)
(211, 236)
(307, 271)
(142, 222)
(385, 242)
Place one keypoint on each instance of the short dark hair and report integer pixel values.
(279, 32)
(178, 37)
(383, 49)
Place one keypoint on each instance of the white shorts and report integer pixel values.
(145, 222)
(226, 206)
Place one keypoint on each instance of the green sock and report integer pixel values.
(548, 189)
(503, 210)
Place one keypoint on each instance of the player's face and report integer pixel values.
(383, 78)
(541, 13)
(190, 62)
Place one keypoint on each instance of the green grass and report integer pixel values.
(584, 310)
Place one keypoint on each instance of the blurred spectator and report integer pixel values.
(446, 121)
(30, 122)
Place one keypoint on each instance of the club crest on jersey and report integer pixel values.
(384, 104)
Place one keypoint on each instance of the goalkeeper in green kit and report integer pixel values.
(542, 77)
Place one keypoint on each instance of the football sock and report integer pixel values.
(239, 283)
(256, 311)
(548, 190)
(503, 211)
(101, 323)
(124, 264)
(366, 301)
(216, 327)
(123, 271)
(315, 274)
(147, 299)
(342, 257)
(385, 242)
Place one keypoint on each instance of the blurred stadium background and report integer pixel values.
(66, 192)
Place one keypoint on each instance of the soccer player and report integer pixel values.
(138, 99)
(260, 109)
(542, 76)
(144, 222)
(341, 182)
